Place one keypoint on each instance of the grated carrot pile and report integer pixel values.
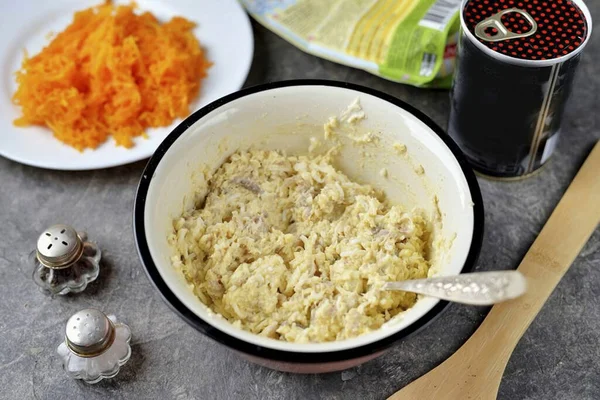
(111, 72)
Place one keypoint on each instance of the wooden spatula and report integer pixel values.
(475, 370)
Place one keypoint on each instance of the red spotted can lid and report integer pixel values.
(533, 30)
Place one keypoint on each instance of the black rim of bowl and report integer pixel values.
(283, 355)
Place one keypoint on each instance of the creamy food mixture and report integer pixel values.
(292, 249)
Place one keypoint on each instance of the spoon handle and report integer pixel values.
(475, 370)
(479, 288)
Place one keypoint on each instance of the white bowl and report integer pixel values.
(285, 116)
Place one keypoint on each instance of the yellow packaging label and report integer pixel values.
(408, 41)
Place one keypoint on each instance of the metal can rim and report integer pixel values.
(528, 63)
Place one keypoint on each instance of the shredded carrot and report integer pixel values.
(111, 72)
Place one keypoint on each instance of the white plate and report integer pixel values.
(223, 29)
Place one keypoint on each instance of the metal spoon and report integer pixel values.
(475, 370)
(478, 288)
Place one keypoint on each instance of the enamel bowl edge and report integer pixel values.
(285, 115)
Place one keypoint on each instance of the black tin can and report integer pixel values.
(516, 63)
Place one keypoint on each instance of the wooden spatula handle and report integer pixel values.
(568, 229)
(476, 369)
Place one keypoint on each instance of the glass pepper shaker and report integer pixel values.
(64, 261)
(95, 346)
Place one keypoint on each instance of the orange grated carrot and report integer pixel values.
(111, 72)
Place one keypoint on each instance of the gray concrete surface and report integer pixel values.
(558, 358)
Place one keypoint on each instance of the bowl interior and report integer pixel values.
(286, 118)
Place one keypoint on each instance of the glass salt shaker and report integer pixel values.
(64, 261)
(95, 346)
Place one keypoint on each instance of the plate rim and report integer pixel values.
(24, 160)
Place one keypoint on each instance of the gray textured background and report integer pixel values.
(558, 358)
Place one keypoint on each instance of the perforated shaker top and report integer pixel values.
(59, 246)
(530, 30)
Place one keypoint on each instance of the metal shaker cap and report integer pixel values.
(89, 333)
(59, 246)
